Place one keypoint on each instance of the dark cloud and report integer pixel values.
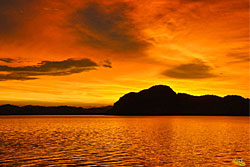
(194, 70)
(13, 16)
(52, 68)
(6, 5)
(107, 64)
(7, 60)
(15, 76)
(199, 1)
(107, 27)
(7, 25)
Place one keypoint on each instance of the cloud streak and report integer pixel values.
(7, 60)
(239, 55)
(194, 70)
(49, 68)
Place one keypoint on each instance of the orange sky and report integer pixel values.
(90, 53)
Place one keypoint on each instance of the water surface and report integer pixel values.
(123, 141)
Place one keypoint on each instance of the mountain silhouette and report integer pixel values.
(57, 110)
(157, 100)
(162, 100)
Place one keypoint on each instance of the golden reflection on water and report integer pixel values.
(123, 141)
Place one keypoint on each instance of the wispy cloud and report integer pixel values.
(107, 27)
(14, 15)
(239, 55)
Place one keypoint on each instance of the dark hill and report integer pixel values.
(162, 100)
(57, 110)
(157, 100)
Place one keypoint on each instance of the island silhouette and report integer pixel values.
(157, 100)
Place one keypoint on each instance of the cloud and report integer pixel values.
(239, 56)
(107, 27)
(7, 60)
(51, 68)
(14, 4)
(7, 25)
(194, 70)
(14, 14)
(107, 64)
(15, 76)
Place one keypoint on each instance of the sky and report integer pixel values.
(90, 53)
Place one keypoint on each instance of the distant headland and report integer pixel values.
(157, 100)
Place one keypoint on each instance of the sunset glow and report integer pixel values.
(90, 53)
